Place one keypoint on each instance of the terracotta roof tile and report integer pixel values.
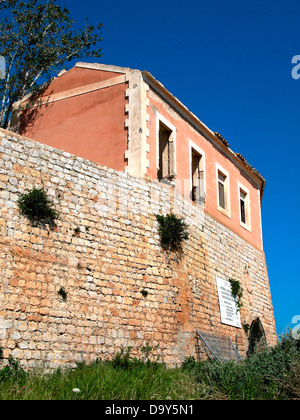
(222, 139)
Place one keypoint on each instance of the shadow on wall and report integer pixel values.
(26, 115)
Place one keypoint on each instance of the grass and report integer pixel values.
(272, 374)
(100, 381)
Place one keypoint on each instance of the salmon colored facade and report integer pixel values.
(64, 111)
(132, 123)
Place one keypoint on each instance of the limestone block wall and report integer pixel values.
(121, 288)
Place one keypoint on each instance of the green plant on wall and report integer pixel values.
(246, 327)
(62, 293)
(237, 292)
(172, 231)
(144, 292)
(38, 208)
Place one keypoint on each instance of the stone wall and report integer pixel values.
(121, 288)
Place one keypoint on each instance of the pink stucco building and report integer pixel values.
(132, 123)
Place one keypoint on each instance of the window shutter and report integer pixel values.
(171, 157)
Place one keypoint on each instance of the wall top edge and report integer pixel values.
(189, 208)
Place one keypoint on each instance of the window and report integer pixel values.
(198, 195)
(244, 207)
(243, 197)
(223, 191)
(221, 188)
(165, 150)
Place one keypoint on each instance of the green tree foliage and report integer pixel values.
(36, 38)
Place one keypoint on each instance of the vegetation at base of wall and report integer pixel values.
(173, 231)
(12, 372)
(272, 374)
(38, 208)
(122, 378)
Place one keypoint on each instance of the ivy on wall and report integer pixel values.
(237, 292)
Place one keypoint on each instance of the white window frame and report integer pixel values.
(245, 190)
(226, 211)
(197, 149)
(172, 128)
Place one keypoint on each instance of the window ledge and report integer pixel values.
(225, 212)
(245, 226)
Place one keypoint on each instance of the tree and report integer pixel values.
(36, 38)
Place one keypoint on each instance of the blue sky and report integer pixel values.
(230, 64)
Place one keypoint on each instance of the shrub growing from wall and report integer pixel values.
(38, 208)
(172, 231)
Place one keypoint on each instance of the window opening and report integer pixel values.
(166, 153)
(257, 336)
(222, 189)
(197, 177)
(243, 197)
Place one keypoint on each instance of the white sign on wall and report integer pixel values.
(228, 307)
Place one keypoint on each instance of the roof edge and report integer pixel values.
(103, 67)
(215, 137)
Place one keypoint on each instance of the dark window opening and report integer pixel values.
(257, 336)
(197, 177)
(243, 213)
(243, 198)
(166, 154)
(221, 190)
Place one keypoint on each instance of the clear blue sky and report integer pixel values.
(229, 62)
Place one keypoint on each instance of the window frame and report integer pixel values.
(160, 120)
(193, 146)
(244, 190)
(227, 210)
